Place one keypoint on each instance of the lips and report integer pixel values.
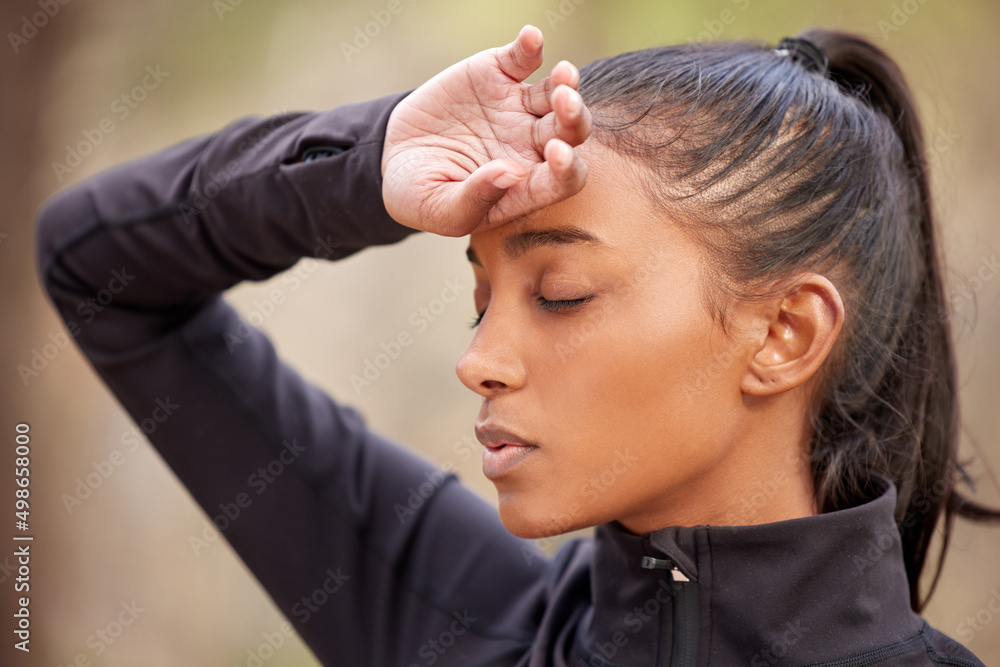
(504, 449)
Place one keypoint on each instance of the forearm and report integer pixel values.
(162, 234)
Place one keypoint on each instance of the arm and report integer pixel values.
(164, 236)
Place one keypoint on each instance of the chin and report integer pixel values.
(533, 520)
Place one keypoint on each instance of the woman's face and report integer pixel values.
(596, 349)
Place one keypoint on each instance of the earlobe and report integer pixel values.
(802, 327)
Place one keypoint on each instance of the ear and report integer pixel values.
(801, 328)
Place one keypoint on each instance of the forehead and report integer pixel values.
(613, 210)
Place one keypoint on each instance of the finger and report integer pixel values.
(522, 56)
(562, 175)
(537, 98)
(565, 73)
(573, 120)
(476, 195)
(567, 171)
(570, 120)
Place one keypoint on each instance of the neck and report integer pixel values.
(765, 477)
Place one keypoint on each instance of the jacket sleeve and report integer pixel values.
(318, 507)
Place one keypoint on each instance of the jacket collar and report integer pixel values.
(789, 592)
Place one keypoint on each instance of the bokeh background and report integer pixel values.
(224, 59)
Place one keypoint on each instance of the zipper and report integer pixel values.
(684, 595)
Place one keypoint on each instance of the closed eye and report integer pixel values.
(552, 306)
(544, 304)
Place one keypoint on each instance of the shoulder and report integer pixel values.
(928, 647)
(943, 650)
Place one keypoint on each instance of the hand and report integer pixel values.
(475, 147)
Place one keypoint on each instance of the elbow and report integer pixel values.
(62, 218)
(61, 224)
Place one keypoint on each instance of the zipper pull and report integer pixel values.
(650, 563)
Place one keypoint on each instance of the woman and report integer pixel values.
(728, 351)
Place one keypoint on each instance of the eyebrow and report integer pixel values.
(516, 245)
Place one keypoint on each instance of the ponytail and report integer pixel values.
(924, 382)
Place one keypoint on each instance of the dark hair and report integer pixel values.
(780, 165)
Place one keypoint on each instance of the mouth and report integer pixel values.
(504, 450)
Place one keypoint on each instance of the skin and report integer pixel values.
(644, 409)
(476, 147)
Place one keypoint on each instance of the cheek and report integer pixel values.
(625, 397)
(627, 362)
(638, 383)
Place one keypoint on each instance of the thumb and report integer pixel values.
(487, 185)
(522, 56)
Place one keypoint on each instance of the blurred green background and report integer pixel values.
(229, 58)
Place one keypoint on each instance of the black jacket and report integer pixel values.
(136, 259)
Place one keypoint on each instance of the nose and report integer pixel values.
(491, 364)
